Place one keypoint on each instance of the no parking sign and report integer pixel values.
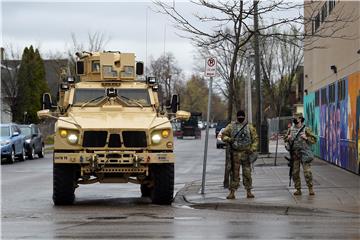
(210, 67)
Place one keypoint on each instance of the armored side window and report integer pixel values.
(95, 66)
(108, 72)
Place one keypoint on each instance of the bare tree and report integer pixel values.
(231, 21)
(9, 80)
(280, 60)
(166, 70)
(96, 42)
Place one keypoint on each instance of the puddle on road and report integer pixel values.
(147, 215)
(107, 218)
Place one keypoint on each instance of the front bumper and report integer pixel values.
(114, 157)
(6, 150)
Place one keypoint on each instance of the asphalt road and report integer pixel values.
(116, 211)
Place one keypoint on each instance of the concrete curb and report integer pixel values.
(192, 188)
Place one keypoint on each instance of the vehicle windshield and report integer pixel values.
(5, 131)
(130, 97)
(25, 130)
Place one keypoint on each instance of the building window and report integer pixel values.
(341, 90)
(317, 22)
(332, 93)
(323, 97)
(324, 12)
(331, 5)
(317, 98)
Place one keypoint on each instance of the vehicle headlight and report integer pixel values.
(28, 140)
(156, 138)
(63, 133)
(5, 142)
(165, 133)
(72, 138)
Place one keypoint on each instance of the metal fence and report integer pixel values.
(278, 125)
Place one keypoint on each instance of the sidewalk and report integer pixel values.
(335, 190)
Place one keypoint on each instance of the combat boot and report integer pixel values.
(249, 194)
(311, 191)
(231, 195)
(297, 192)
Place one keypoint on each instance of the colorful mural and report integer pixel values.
(333, 113)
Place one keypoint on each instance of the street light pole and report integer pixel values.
(257, 72)
(249, 101)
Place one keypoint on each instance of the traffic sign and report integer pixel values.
(210, 67)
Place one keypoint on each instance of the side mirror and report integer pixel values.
(46, 101)
(70, 79)
(174, 103)
(15, 134)
(139, 68)
(43, 113)
(183, 115)
(80, 68)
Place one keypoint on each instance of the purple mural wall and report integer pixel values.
(336, 110)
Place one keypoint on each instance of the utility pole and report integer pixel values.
(257, 71)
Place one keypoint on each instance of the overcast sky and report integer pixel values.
(48, 25)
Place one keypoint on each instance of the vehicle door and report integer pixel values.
(35, 135)
(16, 139)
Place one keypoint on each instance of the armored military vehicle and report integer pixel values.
(190, 127)
(110, 129)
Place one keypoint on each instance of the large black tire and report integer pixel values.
(145, 190)
(22, 155)
(11, 157)
(31, 153)
(41, 154)
(163, 176)
(63, 184)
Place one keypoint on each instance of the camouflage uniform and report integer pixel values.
(241, 157)
(300, 148)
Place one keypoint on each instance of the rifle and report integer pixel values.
(291, 160)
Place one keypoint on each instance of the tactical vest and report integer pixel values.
(300, 143)
(243, 140)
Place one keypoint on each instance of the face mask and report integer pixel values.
(241, 119)
(295, 121)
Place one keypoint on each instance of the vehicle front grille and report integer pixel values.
(94, 138)
(188, 131)
(114, 140)
(134, 139)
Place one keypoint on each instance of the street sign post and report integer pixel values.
(210, 71)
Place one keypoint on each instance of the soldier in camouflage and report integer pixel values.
(301, 152)
(242, 145)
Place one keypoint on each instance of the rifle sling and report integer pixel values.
(297, 134)
(240, 130)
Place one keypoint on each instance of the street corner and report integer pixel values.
(275, 200)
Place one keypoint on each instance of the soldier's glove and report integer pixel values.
(228, 140)
(249, 151)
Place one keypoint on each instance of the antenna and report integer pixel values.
(164, 38)
(146, 41)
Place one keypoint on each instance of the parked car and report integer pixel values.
(34, 142)
(219, 142)
(12, 143)
(201, 125)
(219, 126)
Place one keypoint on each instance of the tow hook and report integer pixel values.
(93, 163)
(136, 161)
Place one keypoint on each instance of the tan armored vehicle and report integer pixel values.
(110, 129)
